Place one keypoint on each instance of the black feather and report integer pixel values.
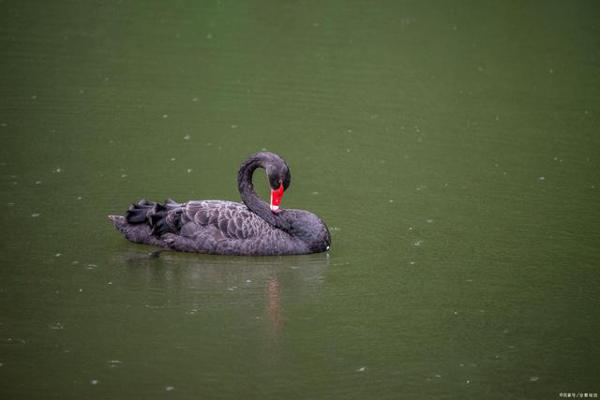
(138, 213)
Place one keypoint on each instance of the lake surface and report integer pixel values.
(452, 148)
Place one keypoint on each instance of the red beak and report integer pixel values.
(276, 195)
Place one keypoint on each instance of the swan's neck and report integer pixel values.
(249, 196)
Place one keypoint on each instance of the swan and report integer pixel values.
(226, 227)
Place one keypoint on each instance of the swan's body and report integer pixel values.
(226, 227)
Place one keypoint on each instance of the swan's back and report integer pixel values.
(208, 226)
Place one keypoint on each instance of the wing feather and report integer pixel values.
(232, 220)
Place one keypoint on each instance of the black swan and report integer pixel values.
(226, 227)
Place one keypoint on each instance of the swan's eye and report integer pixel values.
(274, 183)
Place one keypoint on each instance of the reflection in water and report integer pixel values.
(203, 272)
(201, 283)
(244, 296)
(274, 305)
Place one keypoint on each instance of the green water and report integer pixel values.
(451, 147)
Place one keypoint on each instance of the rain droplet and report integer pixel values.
(56, 326)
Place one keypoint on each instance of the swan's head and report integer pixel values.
(278, 174)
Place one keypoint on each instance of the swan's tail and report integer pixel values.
(145, 221)
(143, 211)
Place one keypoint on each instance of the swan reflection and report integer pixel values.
(196, 284)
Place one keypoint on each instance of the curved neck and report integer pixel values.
(249, 196)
